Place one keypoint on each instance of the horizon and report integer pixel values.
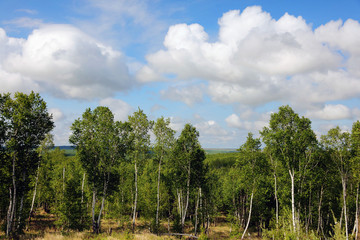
(223, 66)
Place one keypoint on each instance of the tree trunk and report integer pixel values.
(158, 194)
(82, 188)
(248, 221)
(196, 211)
(356, 222)
(63, 179)
(187, 197)
(135, 199)
(34, 195)
(345, 213)
(319, 209)
(22, 193)
(8, 218)
(106, 180)
(276, 202)
(309, 219)
(292, 199)
(357, 213)
(94, 223)
(12, 204)
(179, 197)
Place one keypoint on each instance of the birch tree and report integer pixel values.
(163, 144)
(339, 145)
(355, 164)
(252, 165)
(140, 136)
(187, 154)
(26, 122)
(290, 137)
(97, 140)
(43, 149)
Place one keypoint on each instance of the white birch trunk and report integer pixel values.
(248, 220)
(12, 204)
(135, 198)
(356, 222)
(196, 212)
(357, 213)
(319, 210)
(8, 218)
(276, 202)
(93, 211)
(102, 204)
(345, 213)
(187, 197)
(63, 179)
(158, 194)
(293, 199)
(82, 189)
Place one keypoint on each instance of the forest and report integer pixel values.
(287, 184)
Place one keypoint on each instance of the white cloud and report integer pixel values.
(212, 134)
(234, 121)
(156, 107)
(188, 94)
(258, 59)
(177, 124)
(28, 11)
(253, 126)
(25, 22)
(120, 109)
(331, 112)
(67, 62)
(57, 114)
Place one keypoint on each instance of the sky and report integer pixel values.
(223, 66)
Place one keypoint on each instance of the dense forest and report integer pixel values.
(287, 184)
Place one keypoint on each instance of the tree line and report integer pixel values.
(287, 184)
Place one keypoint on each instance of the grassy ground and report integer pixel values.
(43, 227)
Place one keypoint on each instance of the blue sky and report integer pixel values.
(223, 66)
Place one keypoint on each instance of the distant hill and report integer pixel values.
(219, 150)
(65, 147)
(70, 150)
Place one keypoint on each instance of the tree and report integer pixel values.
(163, 144)
(252, 166)
(291, 139)
(71, 209)
(355, 164)
(26, 122)
(188, 156)
(46, 145)
(140, 136)
(339, 145)
(99, 146)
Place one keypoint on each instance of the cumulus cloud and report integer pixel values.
(65, 61)
(57, 114)
(212, 134)
(254, 126)
(258, 59)
(120, 109)
(331, 112)
(188, 94)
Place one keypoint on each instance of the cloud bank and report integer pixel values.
(64, 61)
(257, 59)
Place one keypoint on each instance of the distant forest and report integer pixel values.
(287, 184)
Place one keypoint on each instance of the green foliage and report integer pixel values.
(175, 179)
(284, 231)
(72, 213)
(24, 123)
